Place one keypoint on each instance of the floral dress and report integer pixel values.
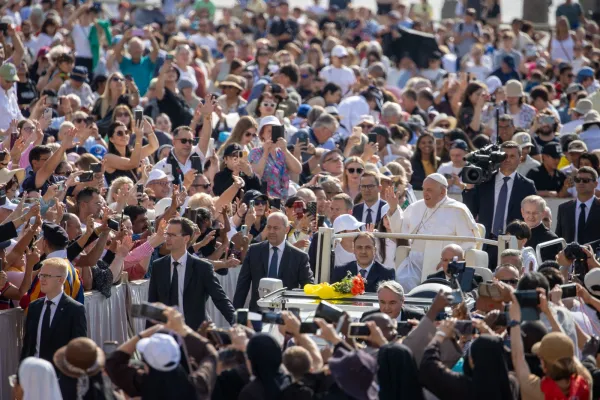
(275, 176)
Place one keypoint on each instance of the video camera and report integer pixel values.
(482, 164)
(574, 253)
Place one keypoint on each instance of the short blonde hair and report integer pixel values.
(535, 199)
(59, 263)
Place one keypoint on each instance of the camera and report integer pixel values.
(482, 164)
(455, 267)
(574, 253)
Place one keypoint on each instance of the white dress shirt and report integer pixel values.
(374, 208)
(53, 308)
(9, 107)
(588, 206)
(180, 278)
(497, 187)
(184, 167)
(280, 248)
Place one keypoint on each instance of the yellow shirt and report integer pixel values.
(428, 167)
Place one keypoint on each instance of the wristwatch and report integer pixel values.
(512, 323)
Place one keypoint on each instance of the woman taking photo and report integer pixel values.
(353, 169)
(234, 163)
(243, 134)
(118, 91)
(121, 160)
(273, 163)
(266, 105)
(424, 161)
(471, 107)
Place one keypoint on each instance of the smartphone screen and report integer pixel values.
(359, 330)
(96, 168)
(276, 133)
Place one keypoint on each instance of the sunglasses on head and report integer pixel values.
(186, 141)
(355, 170)
(582, 180)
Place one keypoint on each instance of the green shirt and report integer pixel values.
(200, 4)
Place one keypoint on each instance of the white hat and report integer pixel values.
(160, 351)
(583, 106)
(439, 178)
(158, 174)
(269, 120)
(592, 281)
(346, 222)
(339, 51)
(493, 83)
(161, 206)
(366, 118)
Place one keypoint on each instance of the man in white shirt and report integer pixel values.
(9, 106)
(353, 108)
(178, 163)
(337, 72)
(582, 107)
(203, 36)
(525, 144)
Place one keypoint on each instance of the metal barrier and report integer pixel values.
(326, 238)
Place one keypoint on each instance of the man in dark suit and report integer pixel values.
(371, 270)
(54, 320)
(273, 258)
(184, 281)
(533, 208)
(391, 302)
(579, 219)
(369, 211)
(505, 190)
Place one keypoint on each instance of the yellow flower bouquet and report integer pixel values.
(347, 287)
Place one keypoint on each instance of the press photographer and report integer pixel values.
(577, 260)
(498, 190)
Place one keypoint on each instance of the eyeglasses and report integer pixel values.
(268, 104)
(203, 185)
(510, 281)
(48, 276)
(28, 128)
(355, 170)
(122, 133)
(186, 141)
(117, 79)
(121, 115)
(78, 120)
(335, 159)
(582, 180)
(248, 134)
(260, 202)
(368, 187)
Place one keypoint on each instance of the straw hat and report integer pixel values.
(231, 80)
(81, 357)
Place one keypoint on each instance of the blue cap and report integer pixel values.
(98, 151)
(585, 72)
(303, 110)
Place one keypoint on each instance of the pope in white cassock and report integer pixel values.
(435, 214)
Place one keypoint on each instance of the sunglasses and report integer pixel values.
(444, 126)
(203, 185)
(263, 54)
(582, 180)
(121, 133)
(117, 79)
(365, 126)
(186, 141)
(78, 120)
(28, 128)
(248, 134)
(356, 170)
(510, 281)
(260, 203)
(335, 159)
(123, 114)
(267, 104)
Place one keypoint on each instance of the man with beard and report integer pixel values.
(543, 130)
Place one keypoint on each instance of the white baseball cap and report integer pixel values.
(339, 51)
(346, 222)
(592, 281)
(158, 174)
(160, 351)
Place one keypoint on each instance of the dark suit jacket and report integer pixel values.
(481, 197)
(294, 272)
(357, 211)
(69, 322)
(565, 224)
(378, 273)
(541, 234)
(200, 282)
(406, 313)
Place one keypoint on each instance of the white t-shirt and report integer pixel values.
(448, 169)
(189, 74)
(343, 77)
(481, 72)
(342, 257)
(80, 36)
(204, 40)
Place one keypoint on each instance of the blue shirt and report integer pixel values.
(329, 144)
(142, 72)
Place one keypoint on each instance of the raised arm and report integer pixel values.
(117, 53)
(49, 166)
(124, 163)
(162, 77)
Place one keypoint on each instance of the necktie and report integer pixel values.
(174, 289)
(501, 208)
(581, 224)
(45, 325)
(273, 264)
(363, 273)
(369, 219)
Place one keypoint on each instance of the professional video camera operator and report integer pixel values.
(577, 260)
(498, 190)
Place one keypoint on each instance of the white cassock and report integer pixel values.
(449, 218)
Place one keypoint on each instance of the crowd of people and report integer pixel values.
(182, 144)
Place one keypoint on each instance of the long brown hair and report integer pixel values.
(245, 123)
(418, 155)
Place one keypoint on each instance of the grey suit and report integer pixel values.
(294, 272)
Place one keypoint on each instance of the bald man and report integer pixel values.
(435, 214)
(448, 254)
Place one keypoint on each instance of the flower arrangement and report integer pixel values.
(347, 287)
